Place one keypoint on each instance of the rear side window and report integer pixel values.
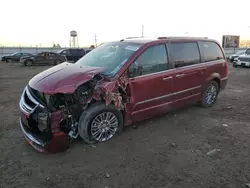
(211, 51)
(81, 51)
(184, 54)
(65, 52)
(52, 54)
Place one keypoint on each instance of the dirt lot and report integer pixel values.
(168, 151)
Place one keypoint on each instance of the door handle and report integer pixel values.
(167, 78)
(179, 75)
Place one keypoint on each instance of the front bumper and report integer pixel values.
(242, 63)
(223, 83)
(57, 142)
(38, 144)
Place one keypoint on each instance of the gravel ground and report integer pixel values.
(167, 151)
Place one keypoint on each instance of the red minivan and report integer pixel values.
(118, 84)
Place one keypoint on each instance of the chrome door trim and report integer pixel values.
(167, 78)
(168, 95)
(179, 75)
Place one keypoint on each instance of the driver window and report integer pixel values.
(153, 60)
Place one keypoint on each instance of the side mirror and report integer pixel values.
(131, 71)
(134, 70)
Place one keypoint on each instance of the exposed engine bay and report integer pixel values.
(71, 106)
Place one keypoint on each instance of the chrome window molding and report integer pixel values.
(219, 61)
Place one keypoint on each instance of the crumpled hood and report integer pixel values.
(63, 78)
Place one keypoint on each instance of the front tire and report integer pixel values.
(235, 65)
(210, 94)
(100, 123)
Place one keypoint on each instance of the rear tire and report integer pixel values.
(210, 94)
(94, 119)
(28, 63)
(58, 61)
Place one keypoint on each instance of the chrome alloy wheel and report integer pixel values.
(211, 94)
(104, 126)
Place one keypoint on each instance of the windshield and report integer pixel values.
(16, 53)
(247, 51)
(111, 56)
(60, 51)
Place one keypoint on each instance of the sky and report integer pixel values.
(44, 22)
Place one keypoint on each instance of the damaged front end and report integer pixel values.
(54, 100)
(49, 122)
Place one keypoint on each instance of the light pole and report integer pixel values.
(142, 31)
(95, 40)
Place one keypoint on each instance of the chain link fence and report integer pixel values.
(34, 50)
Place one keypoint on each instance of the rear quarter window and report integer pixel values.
(211, 51)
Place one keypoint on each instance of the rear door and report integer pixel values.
(52, 57)
(40, 58)
(189, 72)
(151, 84)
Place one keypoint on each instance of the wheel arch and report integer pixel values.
(214, 77)
(29, 60)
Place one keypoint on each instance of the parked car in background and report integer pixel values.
(87, 51)
(119, 83)
(15, 57)
(236, 55)
(73, 54)
(243, 60)
(43, 58)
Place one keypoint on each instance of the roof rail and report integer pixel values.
(162, 37)
(133, 37)
(179, 37)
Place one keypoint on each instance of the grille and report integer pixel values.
(28, 103)
(39, 96)
(244, 59)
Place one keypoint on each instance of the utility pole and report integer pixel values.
(142, 31)
(95, 41)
